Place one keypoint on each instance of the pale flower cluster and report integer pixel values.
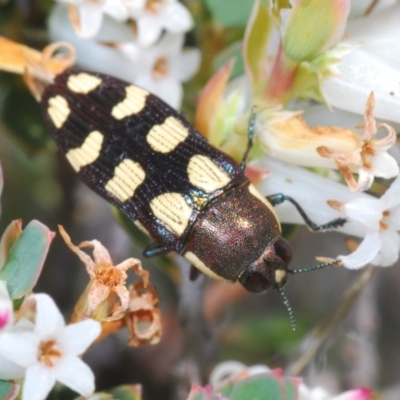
(140, 41)
(44, 352)
(359, 75)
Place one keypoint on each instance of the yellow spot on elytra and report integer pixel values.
(206, 175)
(165, 137)
(172, 210)
(202, 267)
(83, 82)
(133, 103)
(128, 175)
(87, 153)
(58, 110)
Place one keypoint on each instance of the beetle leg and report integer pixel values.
(154, 249)
(194, 273)
(279, 198)
(252, 122)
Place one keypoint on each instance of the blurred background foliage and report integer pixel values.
(252, 329)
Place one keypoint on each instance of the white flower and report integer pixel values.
(370, 158)
(49, 352)
(381, 245)
(373, 65)
(287, 137)
(152, 16)
(312, 191)
(87, 15)
(377, 221)
(162, 67)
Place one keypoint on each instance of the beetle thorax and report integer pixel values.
(232, 233)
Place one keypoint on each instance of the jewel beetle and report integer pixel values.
(189, 197)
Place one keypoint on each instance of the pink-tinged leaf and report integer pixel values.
(203, 393)
(256, 174)
(211, 97)
(26, 258)
(127, 392)
(10, 236)
(267, 386)
(357, 394)
(312, 27)
(9, 390)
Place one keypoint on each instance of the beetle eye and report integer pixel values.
(283, 250)
(254, 282)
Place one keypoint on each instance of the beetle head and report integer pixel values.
(270, 269)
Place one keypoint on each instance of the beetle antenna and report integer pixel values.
(288, 308)
(334, 263)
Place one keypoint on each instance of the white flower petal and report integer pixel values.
(39, 380)
(311, 191)
(365, 253)
(393, 219)
(21, 348)
(186, 64)
(365, 179)
(49, 321)
(177, 18)
(361, 72)
(116, 9)
(77, 337)
(10, 370)
(366, 210)
(90, 17)
(385, 166)
(149, 30)
(390, 248)
(391, 198)
(168, 89)
(74, 373)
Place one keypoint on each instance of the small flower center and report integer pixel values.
(49, 354)
(110, 277)
(160, 69)
(383, 225)
(153, 6)
(367, 149)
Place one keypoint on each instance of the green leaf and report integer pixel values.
(26, 258)
(313, 27)
(260, 33)
(8, 390)
(234, 51)
(260, 387)
(127, 392)
(231, 13)
(291, 388)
